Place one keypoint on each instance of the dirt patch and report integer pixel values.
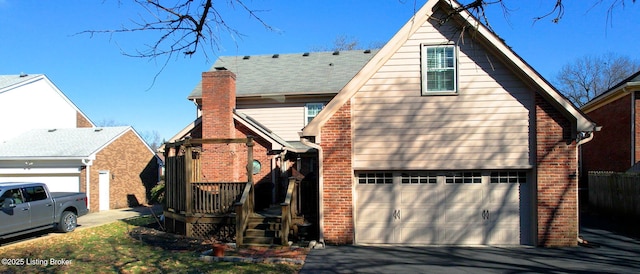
(152, 236)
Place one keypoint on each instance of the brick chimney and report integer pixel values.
(218, 102)
(219, 161)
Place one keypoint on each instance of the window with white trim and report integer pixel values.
(439, 69)
(311, 111)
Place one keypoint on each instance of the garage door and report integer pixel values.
(55, 182)
(449, 208)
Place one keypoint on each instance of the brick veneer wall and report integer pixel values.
(82, 121)
(610, 149)
(557, 183)
(338, 178)
(133, 169)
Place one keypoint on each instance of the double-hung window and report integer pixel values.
(439, 66)
(312, 110)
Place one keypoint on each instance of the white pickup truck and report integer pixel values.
(29, 207)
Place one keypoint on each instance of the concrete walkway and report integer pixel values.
(109, 216)
(613, 254)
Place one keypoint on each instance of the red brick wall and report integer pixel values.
(338, 178)
(557, 183)
(133, 171)
(610, 149)
(218, 101)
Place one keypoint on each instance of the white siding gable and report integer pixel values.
(285, 116)
(485, 126)
(35, 105)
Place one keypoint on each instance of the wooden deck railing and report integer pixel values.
(289, 209)
(215, 198)
(244, 209)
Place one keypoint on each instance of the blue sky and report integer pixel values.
(38, 37)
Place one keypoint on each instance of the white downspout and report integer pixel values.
(578, 165)
(320, 191)
(88, 163)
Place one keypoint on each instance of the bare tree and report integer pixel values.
(555, 11)
(153, 139)
(183, 26)
(344, 42)
(188, 26)
(587, 77)
(110, 123)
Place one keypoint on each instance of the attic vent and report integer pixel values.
(367, 51)
(220, 68)
(246, 57)
(336, 53)
(275, 55)
(52, 130)
(97, 130)
(305, 54)
(22, 74)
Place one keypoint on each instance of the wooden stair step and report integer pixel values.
(260, 233)
(258, 240)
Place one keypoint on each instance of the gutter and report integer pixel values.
(320, 244)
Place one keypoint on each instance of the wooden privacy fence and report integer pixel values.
(615, 193)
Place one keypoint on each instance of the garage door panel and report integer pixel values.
(503, 235)
(456, 214)
(463, 234)
(375, 233)
(457, 195)
(375, 194)
(376, 213)
(419, 234)
(420, 216)
(424, 196)
(503, 194)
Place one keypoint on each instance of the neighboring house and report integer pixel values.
(104, 160)
(33, 101)
(444, 136)
(617, 147)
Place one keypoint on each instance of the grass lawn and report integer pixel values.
(111, 248)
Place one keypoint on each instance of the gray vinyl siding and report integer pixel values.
(486, 125)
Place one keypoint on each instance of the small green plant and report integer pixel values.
(157, 193)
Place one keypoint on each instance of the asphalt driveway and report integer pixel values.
(612, 253)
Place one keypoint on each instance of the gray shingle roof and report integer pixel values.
(59, 143)
(10, 80)
(315, 72)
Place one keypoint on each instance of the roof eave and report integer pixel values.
(609, 96)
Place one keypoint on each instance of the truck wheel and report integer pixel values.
(68, 222)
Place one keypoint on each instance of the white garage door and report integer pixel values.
(449, 208)
(55, 182)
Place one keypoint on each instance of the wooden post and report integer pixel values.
(250, 158)
(188, 165)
